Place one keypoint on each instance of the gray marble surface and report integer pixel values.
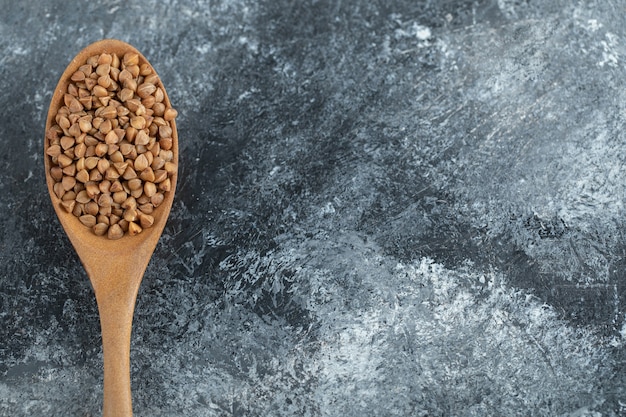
(385, 208)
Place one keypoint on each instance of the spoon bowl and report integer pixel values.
(114, 267)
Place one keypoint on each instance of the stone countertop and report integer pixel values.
(384, 209)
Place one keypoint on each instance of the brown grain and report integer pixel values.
(110, 148)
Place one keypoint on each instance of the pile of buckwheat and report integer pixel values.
(111, 146)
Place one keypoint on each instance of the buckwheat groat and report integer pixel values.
(111, 146)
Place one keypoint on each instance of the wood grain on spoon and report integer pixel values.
(115, 267)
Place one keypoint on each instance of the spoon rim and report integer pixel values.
(79, 234)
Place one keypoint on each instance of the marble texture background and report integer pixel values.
(385, 208)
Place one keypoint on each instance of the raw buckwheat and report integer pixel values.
(111, 146)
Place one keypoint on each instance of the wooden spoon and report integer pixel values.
(115, 267)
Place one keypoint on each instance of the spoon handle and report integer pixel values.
(116, 318)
